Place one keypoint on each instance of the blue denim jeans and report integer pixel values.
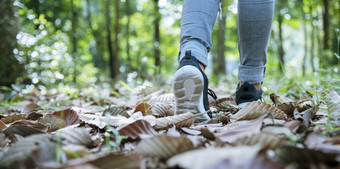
(254, 22)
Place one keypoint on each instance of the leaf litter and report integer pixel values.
(143, 131)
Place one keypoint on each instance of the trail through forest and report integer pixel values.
(140, 130)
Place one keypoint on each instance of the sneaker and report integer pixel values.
(247, 93)
(190, 86)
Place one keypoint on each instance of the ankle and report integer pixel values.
(256, 85)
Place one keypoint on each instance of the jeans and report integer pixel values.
(254, 22)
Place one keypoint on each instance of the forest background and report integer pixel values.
(48, 44)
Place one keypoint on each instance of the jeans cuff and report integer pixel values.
(251, 74)
(198, 50)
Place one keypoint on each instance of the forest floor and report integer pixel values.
(135, 127)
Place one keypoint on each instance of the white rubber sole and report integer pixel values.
(188, 84)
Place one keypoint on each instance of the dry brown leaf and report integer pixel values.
(30, 107)
(265, 140)
(275, 99)
(14, 117)
(101, 121)
(162, 109)
(304, 105)
(115, 111)
(278, 130)
(323, 143)
(304, 157)
(309, 114)
(136, 128)
(108, 161)
(53, 122)
(144, 108)
(2, 125)
(242, 130)
(288, 108)
(237, 157)
(293, 125)
(257, 109)
(3, 140)
(69, 115)
(181, 120)
(163, 146)
(190, 131)
(164, 98)
(34, 116)
(78, 136)
(25, 128)
(227, 103)
(30, 152)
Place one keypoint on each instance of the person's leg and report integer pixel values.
(198, 19)
(190, 84)
(254, 21)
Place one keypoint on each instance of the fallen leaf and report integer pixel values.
(293, 125)
(34, 116)
(164, 98)
(14, 117)
(144, 108)
(78, 136)
(323, 143)
(288, 108)
(304, 105)
(136, 128)
(264, 139)
(243, 130)
(70, 116)
(278, 130)
(275, 99)
(115, 111)
(225, 103)
(2, 126)
(333, 105)
(181, 120)
(162, 109)
(304, 157)
(190, 131)
(309, 114)
(53, 122)
(73, 149)
(30, 152)
(207, 158)
(25, 128)
(257, 109)
(30, 107)
(163, 146)
(3, 140)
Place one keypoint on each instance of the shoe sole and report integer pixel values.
(188, 87)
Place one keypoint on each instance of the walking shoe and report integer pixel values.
(190, 86)
(247, 93)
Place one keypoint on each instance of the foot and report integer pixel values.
(190, 87)
(246, 92)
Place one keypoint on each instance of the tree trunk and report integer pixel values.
(304, 63)
(9, 27)
(113, 58)
(325, 25)
(220, 68)
(157, 53)
(312, 46)
(280, 48)
(74, 41)
(127, 32)
(97, 55)
(116, 41)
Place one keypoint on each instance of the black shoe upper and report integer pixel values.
(247, 93)
(191, 60)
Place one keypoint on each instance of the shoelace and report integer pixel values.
(213, 95)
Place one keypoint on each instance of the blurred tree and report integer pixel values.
(219, 69)
(280, 11)
(9, 27)
(157, 37)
